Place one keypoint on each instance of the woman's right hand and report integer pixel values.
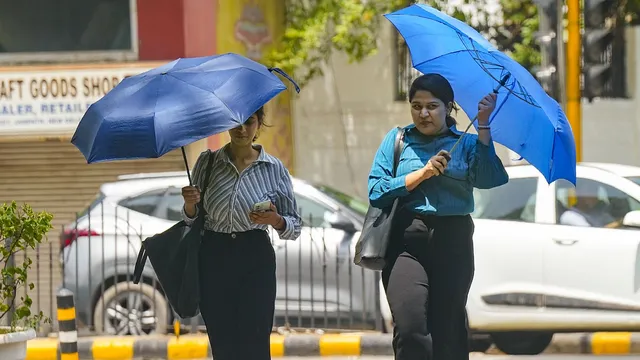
(191, 195)
(437, 164)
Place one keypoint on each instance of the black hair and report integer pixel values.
(261, 115)
(440, 87)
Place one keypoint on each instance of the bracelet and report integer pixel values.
(281, 223)
(484, 127)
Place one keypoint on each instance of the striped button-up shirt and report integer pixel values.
(230, 195)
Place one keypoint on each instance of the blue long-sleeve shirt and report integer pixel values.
(472, 164)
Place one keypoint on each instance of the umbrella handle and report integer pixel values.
(284, 74)
(502, 83)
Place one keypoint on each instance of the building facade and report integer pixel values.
(341, 118)
(57, 61)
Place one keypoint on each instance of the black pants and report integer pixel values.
(238, 292)
(427, 278)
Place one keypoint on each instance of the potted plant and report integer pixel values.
(21, 229)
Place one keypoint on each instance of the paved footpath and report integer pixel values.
(196, 347)
(479, 356)
(473, 356)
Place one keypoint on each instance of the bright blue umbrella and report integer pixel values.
(150, 114)
(526, 119)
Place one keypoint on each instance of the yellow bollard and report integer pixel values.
(67, 331)
(176, 327)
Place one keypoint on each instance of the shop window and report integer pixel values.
(47, 28)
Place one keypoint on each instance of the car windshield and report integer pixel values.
(635, 179)
(352, 203)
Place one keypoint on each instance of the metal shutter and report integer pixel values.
(54, 176)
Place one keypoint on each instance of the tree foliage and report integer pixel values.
(21, 229)
(317, 28)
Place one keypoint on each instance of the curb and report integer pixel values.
(196, 347)
(599, 343)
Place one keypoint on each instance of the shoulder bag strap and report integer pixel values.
(397, 149)
(207, 177)
(142, 254)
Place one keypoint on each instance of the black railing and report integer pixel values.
(403, 67)
(42, 275)
(319, 287)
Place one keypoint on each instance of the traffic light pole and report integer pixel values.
(547, 39)
(574, 56)
(561, 67)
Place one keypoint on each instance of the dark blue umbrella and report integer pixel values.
(150, 114)
(526, 119)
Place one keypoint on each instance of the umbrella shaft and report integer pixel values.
(186, 164)
(465, 131)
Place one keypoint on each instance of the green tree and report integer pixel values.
(515, 33)
(317, 28)
(21, 229)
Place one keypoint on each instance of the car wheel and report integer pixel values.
(522, 343)
(131, 309)
(481, 344)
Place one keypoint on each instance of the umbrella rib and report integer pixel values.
(454, 52)
(155, 106)
(199, 88)
(135, 92)
(438, 57)
(441, 22)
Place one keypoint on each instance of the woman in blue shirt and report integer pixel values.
(430, 261)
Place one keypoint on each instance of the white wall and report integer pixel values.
(611, 128)
(340, 119)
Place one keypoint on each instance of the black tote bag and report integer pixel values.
(174, 255)
(371, 247)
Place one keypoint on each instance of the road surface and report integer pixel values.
(474, 356)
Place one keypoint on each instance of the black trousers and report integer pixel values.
(238, 292)
(427, 278)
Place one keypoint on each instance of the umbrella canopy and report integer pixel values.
(526, 119)
(150, 114)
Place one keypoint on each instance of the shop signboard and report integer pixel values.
(50, 101)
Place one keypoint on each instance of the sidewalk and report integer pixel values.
(196, 347)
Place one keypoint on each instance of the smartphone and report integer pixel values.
(262, 206)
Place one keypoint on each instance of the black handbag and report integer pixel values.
(372, 245)
(174, 255)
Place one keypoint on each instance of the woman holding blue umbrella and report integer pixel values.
(429, 262)
(249, 191)
(219, 260)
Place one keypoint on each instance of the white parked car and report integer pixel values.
(318, 284)
(535, 277)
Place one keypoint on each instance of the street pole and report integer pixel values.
(574, 56)
(546, 36)
(562, 59)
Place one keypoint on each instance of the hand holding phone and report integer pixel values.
(262, 206)
(266, 213)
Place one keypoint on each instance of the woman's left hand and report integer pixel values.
(485, 108)
(270, 217)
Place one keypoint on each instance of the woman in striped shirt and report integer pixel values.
(237, 261)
